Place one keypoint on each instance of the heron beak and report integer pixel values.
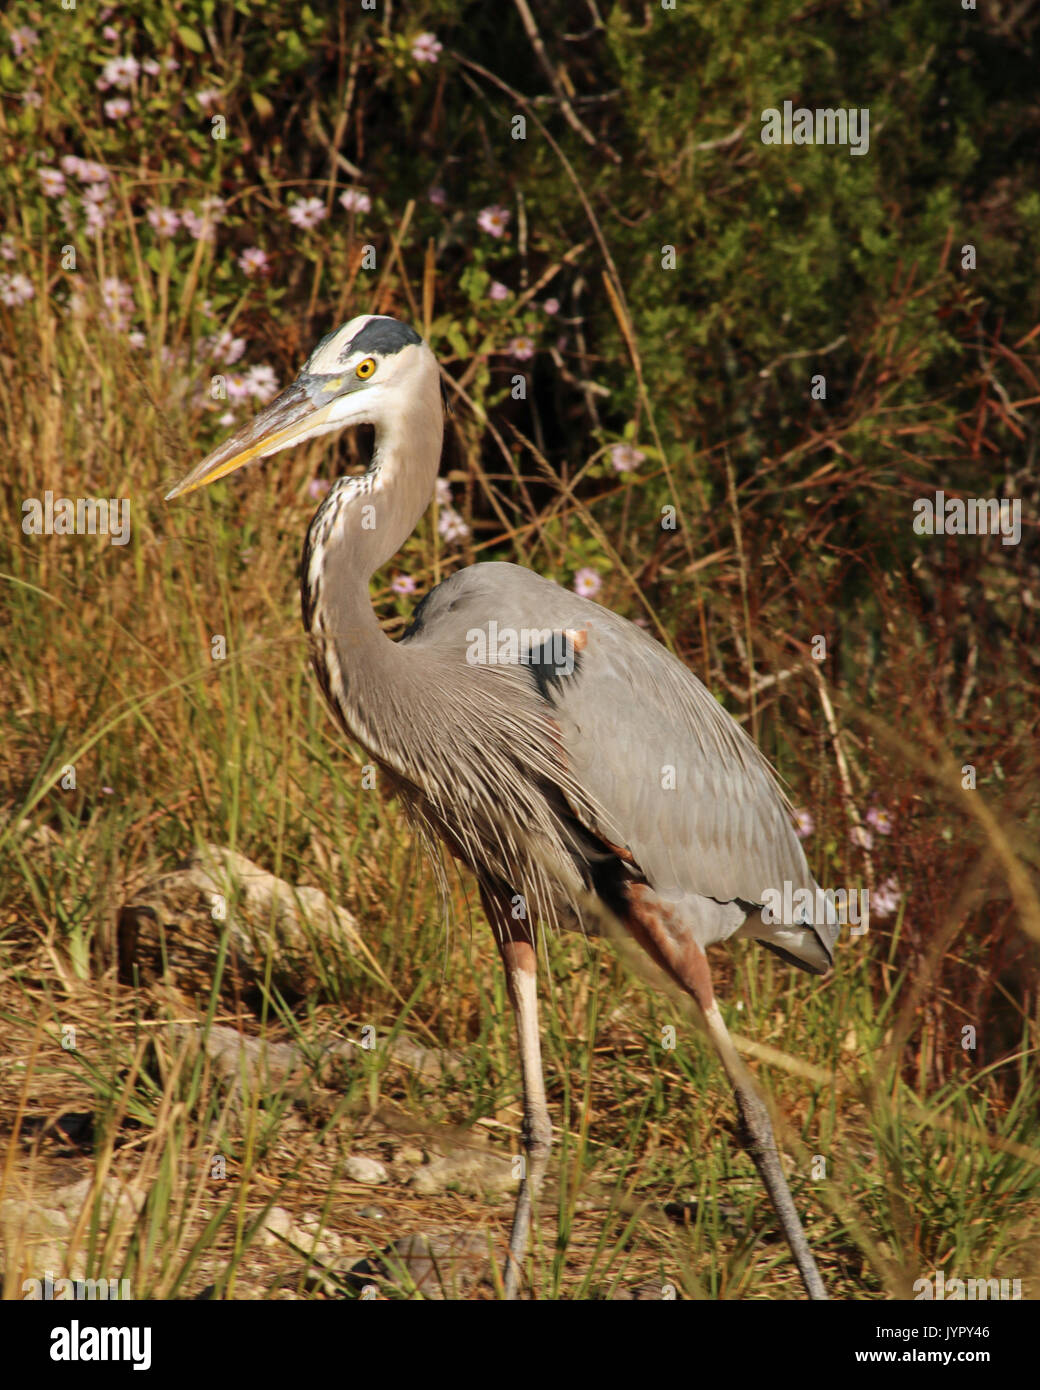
(289, 419)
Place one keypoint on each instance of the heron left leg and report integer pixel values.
(686, 963)
(521, 966)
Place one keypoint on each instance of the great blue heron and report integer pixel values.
(565, 756)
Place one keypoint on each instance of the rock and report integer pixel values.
(35, 1242)
(172, 928)
(276, 1227)
(444, 1264)
(265, 1063)
(475, 1173)
(255, 1062)
(305, 1236)
(366, 1170)
(119, 1203)
(268, 1065)
(644, 1293)
(35, 1237)
(316, 1240)
(429, 1062)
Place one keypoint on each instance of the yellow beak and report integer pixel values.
(289, 419)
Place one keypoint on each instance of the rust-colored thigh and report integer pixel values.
(667, 942)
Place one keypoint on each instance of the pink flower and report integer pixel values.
(437, 196)
(117, 109)
(22, 39)
(625, 457)
(498, 290)
(885, 899)
(355, 201)
(15, 290)
(151, 67)
(262, 382)
(237, 388)
(163, 221)
(52, 182)
(494, 220)
(253, 261)
(443, 492)
(427, 48)
(307, 212)
(587, 583)
(90, 171)
(318, 487)
(202, 225)
(880, 820)
(110, 32)
(121, 72)
(225, 348)
(521, 348)
(7, 251)
(198, 226)
(208, 97)
(804, 825)
(96, 216)
(403, 585)
(118, 299)
(551, 306)
(451, 526)
(31, 97)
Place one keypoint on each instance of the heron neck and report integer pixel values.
(362, 524)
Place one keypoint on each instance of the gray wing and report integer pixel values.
(674, 782)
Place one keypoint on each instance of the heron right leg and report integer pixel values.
(521, 966)
(687, 964)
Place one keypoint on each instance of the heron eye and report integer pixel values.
(366, 368)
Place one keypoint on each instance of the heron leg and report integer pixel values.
(520, 961)
(686, 963)
(763, 1147)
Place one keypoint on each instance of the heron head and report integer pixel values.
(361, 374)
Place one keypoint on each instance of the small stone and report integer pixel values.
(366, 1170)
(277, 1227)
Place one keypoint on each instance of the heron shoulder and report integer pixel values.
(509, 595)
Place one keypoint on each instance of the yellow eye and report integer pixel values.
(366, 368)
